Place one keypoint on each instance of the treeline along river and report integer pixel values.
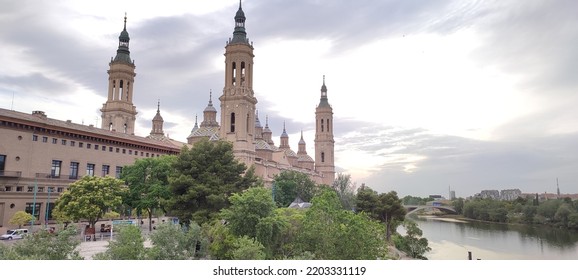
(452, 239)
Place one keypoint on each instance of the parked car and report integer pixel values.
(14, 234)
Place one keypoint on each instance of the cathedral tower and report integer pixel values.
(238, 100)
(119, 113)
(324, 143)
(157, 130)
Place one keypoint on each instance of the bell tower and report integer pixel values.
(238, 100)
(324, 143)
(119, 113)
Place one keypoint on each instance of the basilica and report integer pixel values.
(41, 156)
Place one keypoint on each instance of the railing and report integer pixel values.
(54, 176)
(13, 174)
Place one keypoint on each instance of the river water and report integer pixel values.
(452, 239)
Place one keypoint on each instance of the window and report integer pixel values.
(96, 147)
(73, 170)
(59, 189)
(321, 125)
(110, 149)
(147, 154)
(80, 144)
(19, 189)
(322, 157)
(124, 151)
(63, 141)
(50, 189)
(130, 152)
(105, 170)
(34, 137)
(88, 145)
(55, 171)
(142, 154)
(49, 208)
(232, 122)
(33, 209)
(40, 189)
(30, 188)
(328, 126)
(8, 188)
(44, 139)
(118, 172)
(118, 150)
(54, 140)
(2, 163)
(104, 148)
(90, 169)
(72, 143)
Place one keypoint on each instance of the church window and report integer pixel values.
(322, 157)
(114, 90)
(234, 72)
(243, 73)
(247, 128)
(120, 91)
(127, 91)
(328, 126)
(232, 122)
(125, 128)
(321, 125)
(110, 126)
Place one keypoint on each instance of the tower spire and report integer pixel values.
(239, 34)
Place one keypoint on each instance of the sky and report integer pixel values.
(427, 95)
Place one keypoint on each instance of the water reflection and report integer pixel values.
(452, 240)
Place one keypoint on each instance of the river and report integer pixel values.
(452, 239)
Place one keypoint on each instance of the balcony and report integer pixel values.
(10, 174)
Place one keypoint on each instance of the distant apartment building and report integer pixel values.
(493, 194)
(510, 194)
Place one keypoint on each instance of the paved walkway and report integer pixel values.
(90, 248)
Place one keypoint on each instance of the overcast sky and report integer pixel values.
(426, 94)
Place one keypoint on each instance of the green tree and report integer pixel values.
(175, 242)
(385, 207)
(245, 248)
(412, 243)
(20, 218)
(205, 176)
(330, 233)
(548, 208)
(563, 213)
(345, 190)
(247, 210)
(90, 198)
(148, 181)
(128, 245)
(458, 204)
(43, 245)
(289, 185)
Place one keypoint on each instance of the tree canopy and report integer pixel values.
(289, 185)
(205, 176)
(148, 184)
(90, 198)
(385, 207)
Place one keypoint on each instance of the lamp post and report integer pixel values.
(47, 209)
(34, 203)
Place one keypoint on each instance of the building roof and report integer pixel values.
(39, 118)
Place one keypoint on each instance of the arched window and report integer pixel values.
(234, 72)
(328, 126)
(125, 128)
(321, 125)
(322, 157)
(120, 90)
(242, 72)
(110, 126)
(232, 122)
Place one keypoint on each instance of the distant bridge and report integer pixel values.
(414, 208)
